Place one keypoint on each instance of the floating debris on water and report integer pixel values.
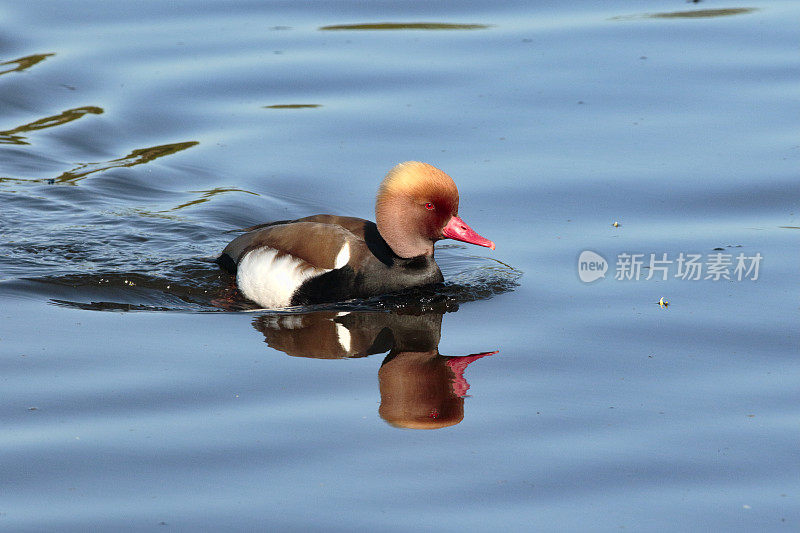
(292, 106)
(663, 303)
(405, 26)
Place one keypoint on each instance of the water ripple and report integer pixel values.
(23, 63)
(12, 136)
(405, 26)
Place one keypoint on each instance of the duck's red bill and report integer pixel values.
(457, 229)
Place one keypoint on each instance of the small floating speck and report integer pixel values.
(292, 106)
(663, 303)
(615, 224)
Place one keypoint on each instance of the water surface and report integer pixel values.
(143, 392)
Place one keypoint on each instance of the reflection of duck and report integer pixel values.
(326, 258)
(424, 390)
(419, 387)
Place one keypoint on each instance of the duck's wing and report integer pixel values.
(323, 246)
(356, 226)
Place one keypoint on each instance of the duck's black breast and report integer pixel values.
(378, 278)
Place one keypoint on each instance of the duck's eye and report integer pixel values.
(429, 206)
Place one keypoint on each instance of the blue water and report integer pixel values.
(142, 393)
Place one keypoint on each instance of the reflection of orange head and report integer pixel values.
(417, 391)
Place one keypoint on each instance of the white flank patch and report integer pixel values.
(344, 337)
(270, 281)
(343, 256)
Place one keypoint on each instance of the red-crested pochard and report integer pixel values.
(328, 258)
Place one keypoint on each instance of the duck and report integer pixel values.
(329, 258)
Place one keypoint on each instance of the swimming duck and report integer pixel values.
(328, 258)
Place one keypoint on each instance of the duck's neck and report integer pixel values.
(383, 250)
(403, 241)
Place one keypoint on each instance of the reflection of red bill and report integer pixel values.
(458, 365)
